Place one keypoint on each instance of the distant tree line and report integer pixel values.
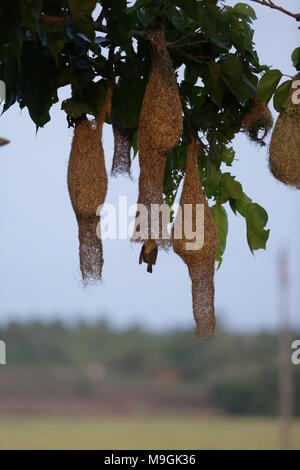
(235, 374)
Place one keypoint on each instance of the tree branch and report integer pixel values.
(197, 59)
(53, 20)
(271, 4)
(62, 21)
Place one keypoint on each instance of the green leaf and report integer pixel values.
(256, 219)
(189, 7)
(232, 67)
(205, 117)
(213, 86)
(221, 220)
(53, 37)
(236, 80)
(180, 157)
(245, 10)
(191, 73)
(213, 177)
(9, 73)
(242, 89)
(75, 107)
(228, 155)
(81, 12)
(230, 188)
(87, 100)
(10, 30)
(119, 24)
(242, 203)
(135, 144)
(138, 4)
(31, 12)
(267, 85)
(124, 106)
(214, 69)
(281, 95)
(38, 82)
(296, 58)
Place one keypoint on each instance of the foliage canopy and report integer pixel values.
(49, 44)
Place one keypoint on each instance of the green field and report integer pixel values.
(142, 433)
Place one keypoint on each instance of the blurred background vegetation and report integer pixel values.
(90, 386)
(93, 368)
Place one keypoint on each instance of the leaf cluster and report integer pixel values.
(49, 44)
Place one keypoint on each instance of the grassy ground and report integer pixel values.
(138, 433)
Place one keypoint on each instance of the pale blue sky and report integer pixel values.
(39, 274)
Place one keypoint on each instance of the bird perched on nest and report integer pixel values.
(3, 141)
(149, 254)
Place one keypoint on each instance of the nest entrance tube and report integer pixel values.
(200, 258)
(87, 183)
(160, 128)
(284, 152)
(122, 145)
(257, 119)
(90, 252)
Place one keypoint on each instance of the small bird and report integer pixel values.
(3, 141)
(148, 254)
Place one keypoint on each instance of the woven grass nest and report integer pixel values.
(200, 262)
(284, 151)
(160, 128)
(257, 119)
(87, 183)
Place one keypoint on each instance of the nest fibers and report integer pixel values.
(123, 140)
(257, 119)
(284, 152)
(160, 128)
(200, 261)
(87, 183)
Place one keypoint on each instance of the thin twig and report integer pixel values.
(176, 45)
(111, 60)
(271, 4)
(99, 27)
(178, 41)
(53, 20)
(140, 34)
(197, 59)
(63, 21)
(101, 16)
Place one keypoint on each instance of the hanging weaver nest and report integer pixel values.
(284, 152)
(87, 183)
(123, 140)
(160, 128)
(200, 261)
(257, 119)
